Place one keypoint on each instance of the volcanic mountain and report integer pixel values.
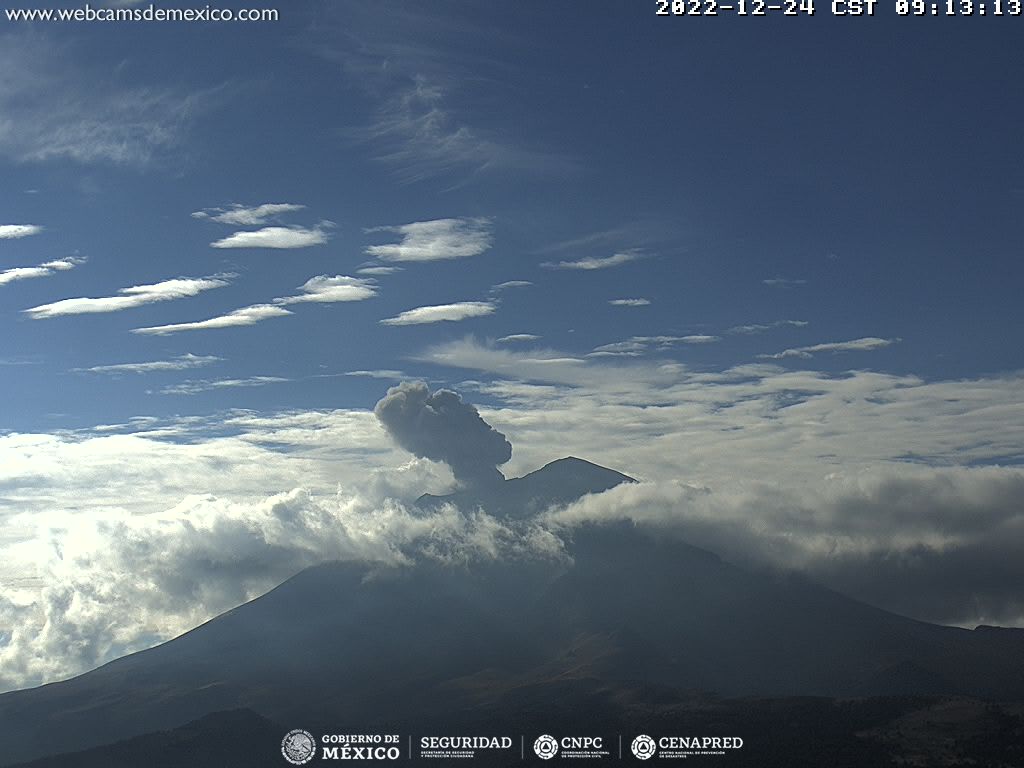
(630, 619)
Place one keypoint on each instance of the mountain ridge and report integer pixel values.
(443, 644)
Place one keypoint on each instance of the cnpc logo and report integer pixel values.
(546, 746)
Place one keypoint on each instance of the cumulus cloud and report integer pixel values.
(16, 231)
(180, 363)
(593, 262)
(324, 289)
(461, 310)
(247, 216)
(441, 427)
(435, 240)
(630, 302)
(115, 584)
(195, 387)
(240, 317)
(275, 237)
(937, 544)
(865, 344)
(129, 298)
(893, 489)
(46, 269)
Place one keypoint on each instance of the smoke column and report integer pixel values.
(441, 427)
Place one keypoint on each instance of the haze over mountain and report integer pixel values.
(439, 644)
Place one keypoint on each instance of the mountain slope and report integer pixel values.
(439, 644)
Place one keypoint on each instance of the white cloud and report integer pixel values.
(240, 317)
(591, 262)
(275, 237)
(514, 337)
(865, 344)
(105, 531)
(698, 338)
(77, 587)
(419, 134)
(638, 345)
(630, 302)
(128, 298)
(324, 289)
(378, 374)
(510, 284)
(435, 240)
(375, 271)
(180, 363)
(783, 282)
(244, 216)
(56, 106)
(762, 327)
(15, 231)
(461, 310)
(207, 385)
(46, 269)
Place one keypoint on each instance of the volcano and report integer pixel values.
(631, 624)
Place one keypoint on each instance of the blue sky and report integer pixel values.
(768, 254)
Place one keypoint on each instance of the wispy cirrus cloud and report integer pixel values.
(128, 298)
(420, 134)
(180, 363)
(324, 289)
(517, 337)
(594, 262)
(762, 327)
(276, 237)
(237, 318)
(196, 387)
(866, 344)
(379, 374)
(784, 282)
(375, 271)
(436, 240)
(57, 105)
(461, 310)
(640, 345)
(17, 231)
(46, 269)
(630, 302)
(247, 216)
(510, 284)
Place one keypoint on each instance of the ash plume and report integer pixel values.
(441, 427)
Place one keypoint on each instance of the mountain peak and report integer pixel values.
(559, 482)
